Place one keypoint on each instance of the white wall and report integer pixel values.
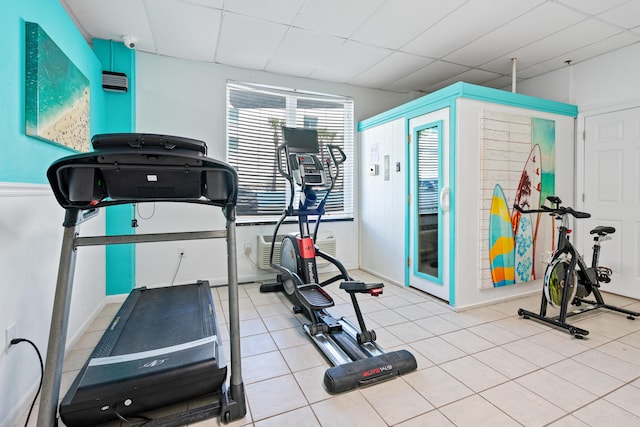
(31, 236)
(188, 98)
(382, 221)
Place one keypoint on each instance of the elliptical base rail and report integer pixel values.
(370, 371)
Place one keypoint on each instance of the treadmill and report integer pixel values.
(163, 346)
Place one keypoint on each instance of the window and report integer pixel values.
(255, 117)
(428, 169)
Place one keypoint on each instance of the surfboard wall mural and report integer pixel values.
(501, 240)
(517, 167)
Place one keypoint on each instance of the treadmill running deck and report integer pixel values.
(160, 348)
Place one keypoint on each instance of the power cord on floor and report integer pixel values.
(18, 341)
(137, 420)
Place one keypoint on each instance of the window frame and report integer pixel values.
(291, 117)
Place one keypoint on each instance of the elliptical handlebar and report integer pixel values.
(279, 150)
(332, 149)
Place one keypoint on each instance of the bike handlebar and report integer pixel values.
(560, 210)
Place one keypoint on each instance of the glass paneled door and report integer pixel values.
(428, 211)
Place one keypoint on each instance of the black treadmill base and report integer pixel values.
(365, 372)
(162, 347)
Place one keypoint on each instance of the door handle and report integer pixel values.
(444, 199)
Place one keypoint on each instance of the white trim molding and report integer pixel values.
(18, 189)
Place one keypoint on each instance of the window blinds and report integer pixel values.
(255, 116)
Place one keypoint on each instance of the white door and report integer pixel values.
(612, 195)
(428, 204)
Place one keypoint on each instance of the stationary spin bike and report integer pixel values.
(357, 358)
(567, 278)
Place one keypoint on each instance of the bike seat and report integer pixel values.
(602, 230)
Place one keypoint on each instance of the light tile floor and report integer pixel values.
(480, 367)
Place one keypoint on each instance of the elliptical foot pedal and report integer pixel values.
(369, 371)
(315, 297)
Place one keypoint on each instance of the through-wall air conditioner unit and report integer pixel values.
(326, 242)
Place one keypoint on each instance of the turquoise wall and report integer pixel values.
(25, 159)
(121, 111)
(120, 117)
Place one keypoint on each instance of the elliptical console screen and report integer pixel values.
(301, 140)
(313, 173)
(307, 169)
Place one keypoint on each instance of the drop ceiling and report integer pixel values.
(396, 45)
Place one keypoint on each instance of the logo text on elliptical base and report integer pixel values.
(376, 371)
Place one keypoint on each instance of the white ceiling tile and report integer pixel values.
(390, 69)
(524, 69)
(603, 46)
(111, 20)
(592, 7)
(301, 52)
(248, 42)
(283, 12)
(499, 83)
(399, 21)
(626, 16)
(349, 60)
(474, 76)
(183, 29)
(591, 51)
(478, 77)
(504, 65)
(471, 21)
(432, 74)
(534, 25)
(217, 4)
(351, 41)
(335, 17)
(555, 47)
(539, 69)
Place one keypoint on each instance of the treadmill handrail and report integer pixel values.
(118, 239)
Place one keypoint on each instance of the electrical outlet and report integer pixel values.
(247, 249)
(9, 334)
(181, 253)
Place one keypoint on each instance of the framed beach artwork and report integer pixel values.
(57, 94)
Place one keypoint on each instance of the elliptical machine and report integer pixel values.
(358, 360)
